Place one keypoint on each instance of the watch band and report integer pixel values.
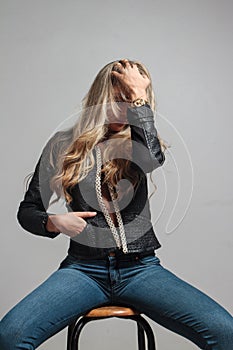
(139, 102)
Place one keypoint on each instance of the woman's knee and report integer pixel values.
(12, 333)
(221, 329)
(225, 334)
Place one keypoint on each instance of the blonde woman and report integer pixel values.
(99, 167)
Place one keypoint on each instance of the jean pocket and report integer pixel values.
(149, 260)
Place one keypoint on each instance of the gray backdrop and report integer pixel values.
(50, 53)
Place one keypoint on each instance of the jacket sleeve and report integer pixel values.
(32, 214)
(146, 148)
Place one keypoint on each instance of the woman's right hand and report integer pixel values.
(131, 79)
(71, 224)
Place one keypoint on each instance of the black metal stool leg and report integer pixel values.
(147, 328)
(141, 337)
(69, 334)
(76, 332)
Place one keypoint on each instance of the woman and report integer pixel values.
(99, 166)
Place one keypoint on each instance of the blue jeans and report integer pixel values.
(77, 286)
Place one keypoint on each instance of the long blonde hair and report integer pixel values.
(74, 157)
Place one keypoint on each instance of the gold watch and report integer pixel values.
(138, 102)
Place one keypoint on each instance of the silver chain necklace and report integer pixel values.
(119, 238)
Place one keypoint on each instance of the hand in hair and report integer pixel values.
(131, 79)
(70, 224)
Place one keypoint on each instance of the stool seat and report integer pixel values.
(111, 311)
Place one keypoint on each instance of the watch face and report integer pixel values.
(139, 102)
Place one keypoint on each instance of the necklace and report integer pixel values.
(120, 239)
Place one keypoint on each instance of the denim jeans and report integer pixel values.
(79, 285)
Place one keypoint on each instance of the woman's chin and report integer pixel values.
(116, 126)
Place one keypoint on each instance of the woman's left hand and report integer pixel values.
(129, 77)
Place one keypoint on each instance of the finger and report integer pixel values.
(116, 78)
(117, 67)
(85, 214)
(115, 73)
(131, 64)
(124, 62)
(127, 63)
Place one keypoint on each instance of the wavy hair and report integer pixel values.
(71, 151)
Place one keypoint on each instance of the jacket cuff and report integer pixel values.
(47, 233)
(138, 115)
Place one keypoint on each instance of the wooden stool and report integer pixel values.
(143, 327)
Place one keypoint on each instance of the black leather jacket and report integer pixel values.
(96, 239)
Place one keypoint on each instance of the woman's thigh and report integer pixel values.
(178, 306)
(63, 296)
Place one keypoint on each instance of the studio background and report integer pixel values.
(50, 54)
